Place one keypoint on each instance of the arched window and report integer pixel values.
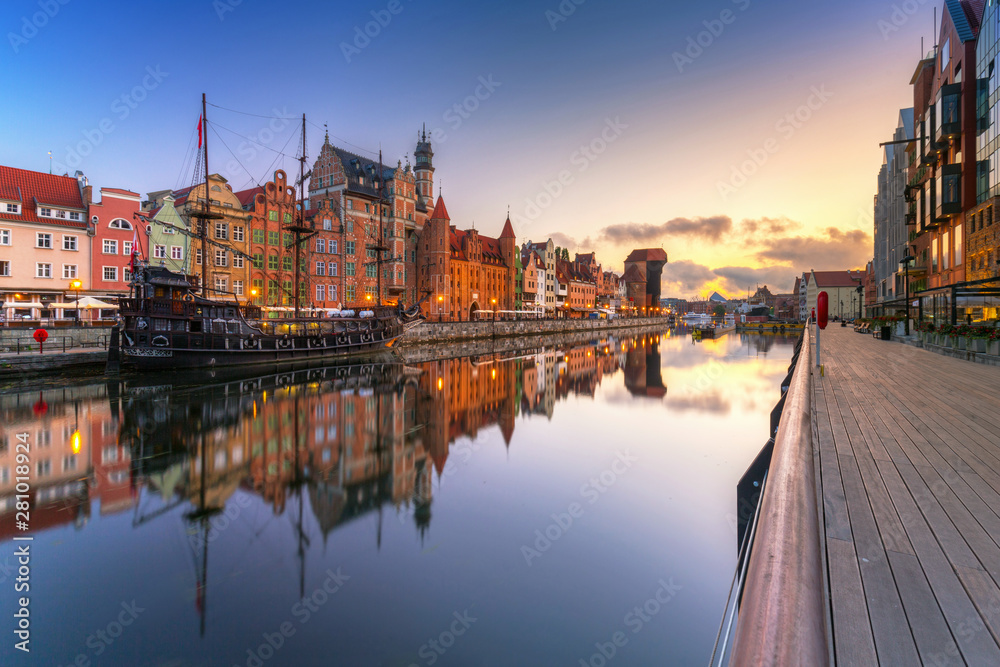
(120, 223)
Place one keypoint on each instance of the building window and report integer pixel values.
(320, 268)
(321, 292)
(176, 252)
(258, 236)
(333, 269)
(237, 232)
(221, 258)
(237, 261)
(13, 208)
(350, 204)
(349, 227)
(257, 287)
(74, 215)
(333, 292)
(43, 270)
(320, 245)
(221, 284)
(222, 230)
(69, 271)
(286, 263)
(272, 261)
(273, 217)
(333, 246)
(160, 251)
(371, 271)
(45, 212)
(197, 256)
(4, 237)
(288, 218)
(286, 291)
(43, 240)
(287, 239)
(111, 273)
(238, 287)
(110, 247)
(119, 223)
(4, 268)
(348, 268)
(258, 260)
(349, 293)
(44, 468)
(349, 247)
(272, 237)
(126, 248)
(70, 243)
(327, 224)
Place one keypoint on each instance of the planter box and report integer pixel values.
(960, 343)
(993, 347)
(900, 329)
(977, 345)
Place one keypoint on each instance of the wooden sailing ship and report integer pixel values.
(169, 321)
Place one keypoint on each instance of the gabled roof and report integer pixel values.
(973, 10)
(837, 278)
(647, 255)
(440, 210)
(33, 188)
(246, 197)
(356, 166)
(118, 191)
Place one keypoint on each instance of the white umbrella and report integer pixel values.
(22, 304)
(88, 302)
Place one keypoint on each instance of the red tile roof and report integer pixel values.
(508, 230)
(246, 197)
(34, 187)
(647, 255)
(837, 278)
(440, 211)
(118, 191)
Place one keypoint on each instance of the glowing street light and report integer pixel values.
(76, 285)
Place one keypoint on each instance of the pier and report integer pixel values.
(905, 454)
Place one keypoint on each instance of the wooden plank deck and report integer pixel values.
(909, 451)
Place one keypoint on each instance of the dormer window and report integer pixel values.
(119, 223)
(45, 212)
(12, 208)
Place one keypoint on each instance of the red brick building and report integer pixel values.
(463, 270)
(648, 264)
(272, 271)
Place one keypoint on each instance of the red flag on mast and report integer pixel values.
(199, 132)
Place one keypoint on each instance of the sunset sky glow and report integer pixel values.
(741, 135)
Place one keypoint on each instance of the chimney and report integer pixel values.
(88, 191)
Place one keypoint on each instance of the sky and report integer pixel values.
(739, 135)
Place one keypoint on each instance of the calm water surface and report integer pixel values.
(537, 508)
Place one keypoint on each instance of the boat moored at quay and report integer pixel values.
(165, 325)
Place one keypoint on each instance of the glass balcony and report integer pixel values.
(949, 111)
(949, 191)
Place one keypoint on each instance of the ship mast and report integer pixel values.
(299, 228)
(205, 214)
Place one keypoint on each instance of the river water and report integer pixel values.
(568, 504)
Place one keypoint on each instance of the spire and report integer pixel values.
(326, 131)
(440, 210)
(508, 229)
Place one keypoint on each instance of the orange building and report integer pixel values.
(272, 207)
(463, 270)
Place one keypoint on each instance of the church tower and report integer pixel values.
(424, 171)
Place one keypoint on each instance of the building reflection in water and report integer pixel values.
(336, 443)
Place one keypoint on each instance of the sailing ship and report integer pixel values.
(169, 321)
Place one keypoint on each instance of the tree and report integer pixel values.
(719, 310)
(565, 254)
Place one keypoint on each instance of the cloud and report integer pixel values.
(712, 402)
(684, 277)
(736, 279)
(565, 241)
(768, 226)
(837, 250)
(711, 229)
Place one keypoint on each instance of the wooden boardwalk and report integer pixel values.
(909, 467)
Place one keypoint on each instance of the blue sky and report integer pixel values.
(670, 125)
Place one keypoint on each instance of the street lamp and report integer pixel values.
(76, 285)
(905, 262)
(440, 306)
(494, 304)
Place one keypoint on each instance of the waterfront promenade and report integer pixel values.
(909, 471)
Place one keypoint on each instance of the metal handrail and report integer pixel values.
(782, 618)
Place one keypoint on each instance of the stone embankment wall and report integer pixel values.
(458, 331)
(415, 353)
(74, 337)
